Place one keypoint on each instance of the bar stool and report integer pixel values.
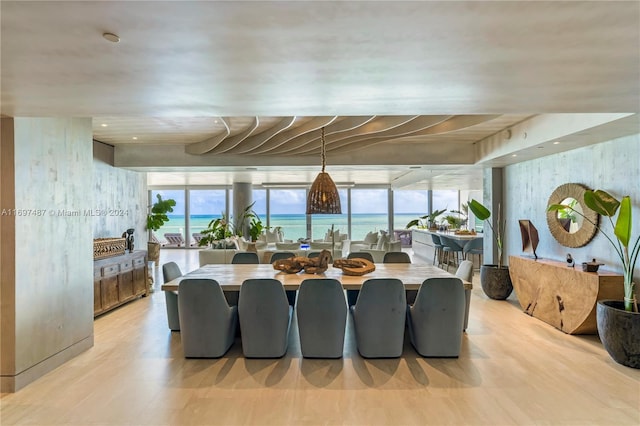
(438, 253)
(474, 247)
(451, 247)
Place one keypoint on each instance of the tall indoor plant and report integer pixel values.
(221, 228)
(495, 279)
(155, 219)
(430, 218)
(618, 321)
(217, 230)
(249, 222)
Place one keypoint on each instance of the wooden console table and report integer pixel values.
(562, 296)
(119, 279)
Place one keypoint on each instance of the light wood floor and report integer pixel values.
(513, 369)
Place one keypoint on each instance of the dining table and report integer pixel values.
(231, 276)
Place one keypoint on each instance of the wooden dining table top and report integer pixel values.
(230, 277)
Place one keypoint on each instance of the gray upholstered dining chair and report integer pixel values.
(281, 255)
(265, 317)
(435, 319)
(465, 273)
(171, 271)
(379, 318)
(245, 257)
(360, 255)
(352, 295)
(322, 317)
(291, 294)
(313, 254)
(240, 258)
(401, 257)
(396, 257)
(208, 323)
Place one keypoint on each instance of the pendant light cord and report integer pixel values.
(322, 150)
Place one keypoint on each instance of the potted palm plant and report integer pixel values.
(221, 228)
(249, 222)
(495, 279)
(429, 218)
(217, 230)
(618, 320)
(255, 227)
(155, 219)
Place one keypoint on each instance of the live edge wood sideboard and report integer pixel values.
(119, 279)
(562, 296)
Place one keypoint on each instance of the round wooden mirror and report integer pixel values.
(567, 227)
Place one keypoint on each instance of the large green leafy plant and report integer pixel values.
(429, 218)
(221, 228)
(218, 229)
(249, 217)
(158, 214)
(255, 228)
(483, 213)
(607, 205)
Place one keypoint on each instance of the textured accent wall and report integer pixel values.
(613, 166)
(53, 286)
(120, 198)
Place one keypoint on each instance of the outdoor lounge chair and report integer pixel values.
(174, 239)
(196, 238)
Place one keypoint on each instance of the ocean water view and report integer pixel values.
(294, 226)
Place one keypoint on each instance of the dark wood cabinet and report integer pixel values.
(119, 279)
(140, 276)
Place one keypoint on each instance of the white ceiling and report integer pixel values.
(183, 69)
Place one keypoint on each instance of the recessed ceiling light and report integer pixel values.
(135, 138)
(111, 37)
(104, 124)
(215, 121)
(514, 155)
(556, 143)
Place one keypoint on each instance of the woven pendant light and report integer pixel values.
(323, 196)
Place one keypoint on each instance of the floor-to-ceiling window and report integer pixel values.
(369, 211)
(445, 200)
(204, 206)
(176, 223)
(287, 209)
(409, 205)
(321, 223)
(260, 204)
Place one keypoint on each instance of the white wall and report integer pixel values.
(613, 166)
(53, 285)
(120, 198)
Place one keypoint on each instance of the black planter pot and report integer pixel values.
(619, 332)
(496, 282)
